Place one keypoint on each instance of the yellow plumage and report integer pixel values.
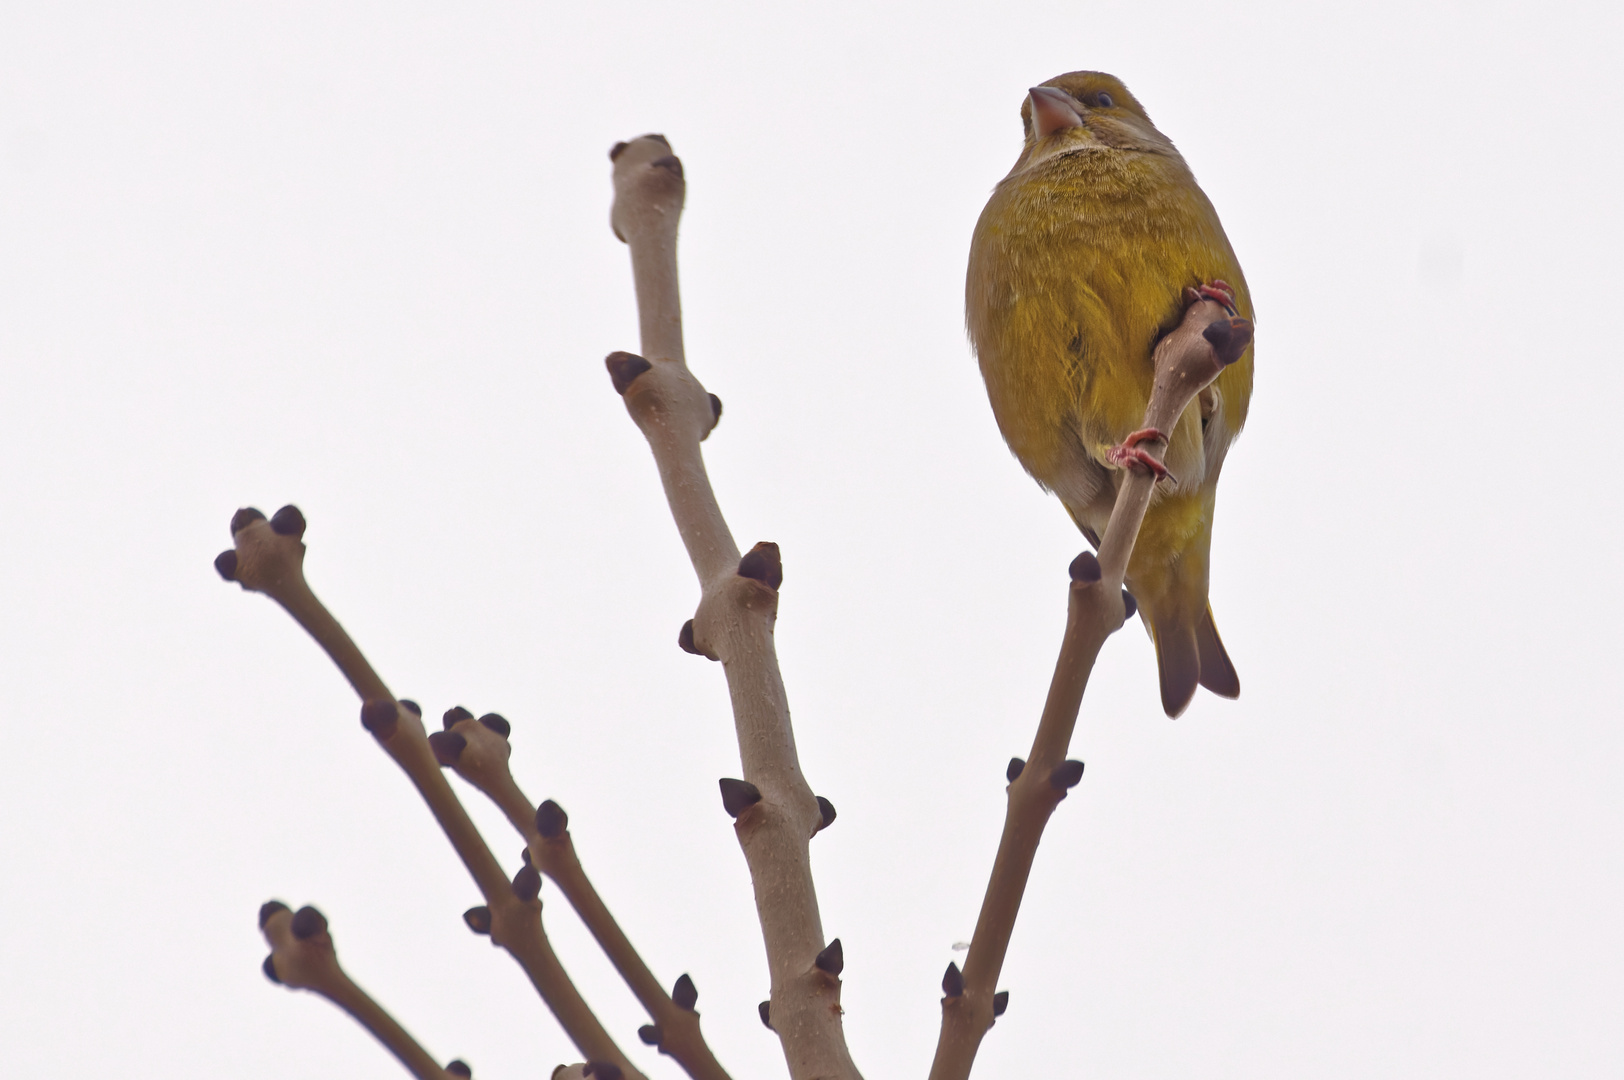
(1078, 265)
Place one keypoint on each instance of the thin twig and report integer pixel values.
(1186, 361)
(302, 958)
(478, 750)
(775, 811)
(269, 558)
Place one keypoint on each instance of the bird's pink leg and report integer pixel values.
(1126, 454)
(1220, 292)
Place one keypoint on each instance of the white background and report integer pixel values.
(356, 257)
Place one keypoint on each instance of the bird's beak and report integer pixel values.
(1052, 111)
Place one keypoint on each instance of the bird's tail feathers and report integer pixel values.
(1189, 651)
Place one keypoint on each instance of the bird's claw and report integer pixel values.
(1127, 455)
(1219, 292)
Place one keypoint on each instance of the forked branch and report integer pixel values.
(269, 558)
(775, 812)
(1186, 361)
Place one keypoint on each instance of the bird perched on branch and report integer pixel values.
(1087, 253)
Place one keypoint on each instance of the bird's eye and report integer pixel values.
(1103, 100)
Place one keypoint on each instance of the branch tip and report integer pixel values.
(288, 521)
(497, 723)
(684, 994)
(650, 1034)
(953, 981)
(527, 883)
(478, 919)
(764, 564)
(307, 923)
(1085, 568)
(455, 714)
(624, 368)
(1228, 337)
(269, 908)
(448, 747)
(225, 564)
(1016, 766)
(1000, 1003)
(832, 960)
(826, 814)
(551, 820)
(738, 795)
(1066, 775)
(244, 518)
(765, 1010)
(379, 716)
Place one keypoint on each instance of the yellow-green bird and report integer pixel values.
(1080, 262)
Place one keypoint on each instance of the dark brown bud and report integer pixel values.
(832, 959)
(826, 813)
(447, 746)
(659, 137)
(670, 162)
(269, 968)
(686, 640)
(478, 919)
(603, 1070)
(524, 855)
(497, 723)
(1016, 766)
(1130, 603)
(738, 795)
(269, 908)
(1229, 338)
(716, 410)
(616, 150)
(623, 368)
(225, 564)
(308, 922)
(551, 820)
(765, 1009)
(379, 716)
(527, 883)
(1000, 1003)
(288, 521)
(953, 981)
(1066, 775)
(650, 1034)
(458, 1067)
(1085, 568)
(684, 994)
(453, 715)
(411, 706)
(244, 518)
(762, 563)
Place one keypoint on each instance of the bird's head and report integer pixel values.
(1082, 110)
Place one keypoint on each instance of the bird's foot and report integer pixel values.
(1127, 455)
(1220, 292)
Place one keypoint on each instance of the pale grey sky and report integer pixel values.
(355, 256)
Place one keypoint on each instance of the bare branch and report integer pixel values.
(302, 958)
(1186, 361)
(269, 558)
(734, 622)
(478, 749)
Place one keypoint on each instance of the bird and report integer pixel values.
(1089, 251)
